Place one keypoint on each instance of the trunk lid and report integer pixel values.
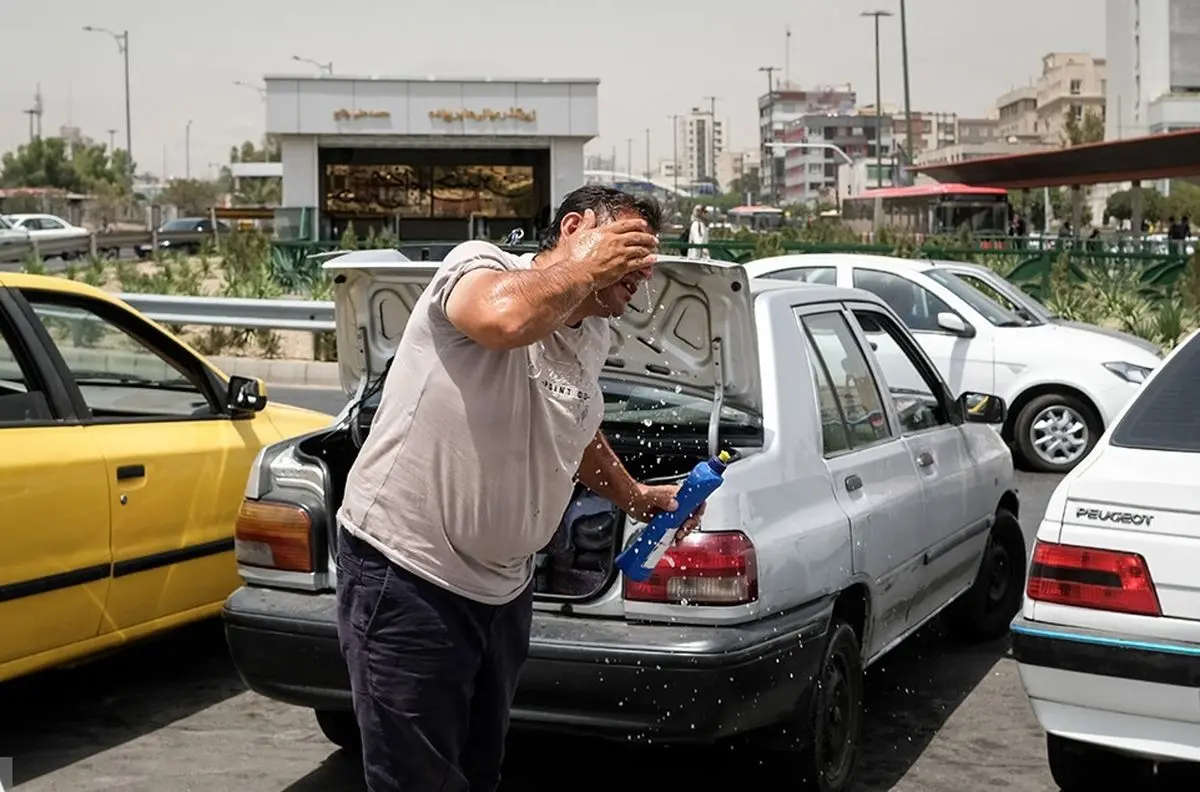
(1147, 503)
(691, 326)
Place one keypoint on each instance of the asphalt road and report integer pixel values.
(173, 716)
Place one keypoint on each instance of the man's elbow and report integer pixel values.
(500, 330)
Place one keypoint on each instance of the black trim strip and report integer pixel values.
(965, 535)
(1125, 662)
(132, 566)
(60, 580)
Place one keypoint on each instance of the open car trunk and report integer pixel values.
(681, 380)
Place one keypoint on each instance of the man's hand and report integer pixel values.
(649, 500)
(611, 251)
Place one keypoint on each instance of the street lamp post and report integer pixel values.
(770, 160)
(325, 67)
(629, 158)
(908, 120)
(122, 40)
(878, 100)
(712, 137)
(675, 152)
(187, 150)
(262, 92)
(647, 154)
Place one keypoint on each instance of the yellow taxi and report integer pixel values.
(123, 459)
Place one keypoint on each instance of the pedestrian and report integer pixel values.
(490, 413)
(698, 233)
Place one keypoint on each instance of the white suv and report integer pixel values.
(1063, 385)
(1108, 644)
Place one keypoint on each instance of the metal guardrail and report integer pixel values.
(251, 314)
(95, 244)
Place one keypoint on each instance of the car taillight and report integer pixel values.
(1088, 577)
(706, 568)
(274, 535)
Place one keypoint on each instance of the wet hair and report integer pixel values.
(607, 203)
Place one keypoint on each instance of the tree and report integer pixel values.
(54, 163)
(1120, 205)
(1032, 206)
(253, 192)
(1089, 128)
(192, 197)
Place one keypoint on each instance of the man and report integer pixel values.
(490, 412)
(698, 233)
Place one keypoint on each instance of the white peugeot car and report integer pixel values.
(1108, 643)
(1064, 384)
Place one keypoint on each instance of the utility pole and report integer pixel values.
(122, 40)
(908, 119)
(878, 100)
(712, 137)
(647, 154)
(35, 116)
(675, 151)
(768, 154)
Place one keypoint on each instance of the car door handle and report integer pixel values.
(925, 459)
(853, 483)
(126, 472)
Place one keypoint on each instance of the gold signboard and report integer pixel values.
(487, 114)
(354, 115)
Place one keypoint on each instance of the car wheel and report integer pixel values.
(1054, 432)
(832, 715)
(985, 611)
(340, 728)
(1080, 767)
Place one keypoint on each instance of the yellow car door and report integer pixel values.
(175, 460)
(54, 529)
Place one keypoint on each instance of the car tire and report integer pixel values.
(1051, 413)
(1080, 767)
(985, 611)
(830, 719)
(340, 728)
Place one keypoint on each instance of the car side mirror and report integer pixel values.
(245, 395)
(953, 323)
(983, 408)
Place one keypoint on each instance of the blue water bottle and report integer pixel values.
(638, 560)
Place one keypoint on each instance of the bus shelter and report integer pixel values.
(1173, 155)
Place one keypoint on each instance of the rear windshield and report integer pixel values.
(1165, 415)
(661, 409)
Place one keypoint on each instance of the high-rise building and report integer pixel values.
(778, 109)
(701, 143)
(811, 172)
(1153, 52)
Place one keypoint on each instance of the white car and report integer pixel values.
(1108, 642)
(10, 235)
(49, 228)
(1011, 296)
(1063, 384)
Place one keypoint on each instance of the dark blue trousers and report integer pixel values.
(432, 674)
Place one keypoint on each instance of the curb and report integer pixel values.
(311, 373)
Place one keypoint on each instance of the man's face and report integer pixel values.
(613, 300)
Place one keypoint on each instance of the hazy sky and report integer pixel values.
(653, 57)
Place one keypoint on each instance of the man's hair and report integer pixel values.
(607, 203)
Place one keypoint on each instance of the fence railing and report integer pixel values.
(100, 245)
(243, 313)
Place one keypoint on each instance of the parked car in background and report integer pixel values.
(123, 456)
(1025, 305)
(789, 582)
(183, 225)
(1108, 642)
(50, 228)
(10, 234)
(1064, 385)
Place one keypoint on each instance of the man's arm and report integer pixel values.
(509, 310)
(602, 472)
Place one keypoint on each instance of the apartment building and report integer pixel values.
(811, 173)
(782, 106)
(734, 165)
(1153, 49)
(701, 143)
(1070, 83)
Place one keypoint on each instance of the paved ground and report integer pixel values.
(173, 715)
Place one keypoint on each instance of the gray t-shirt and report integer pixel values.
(471, 457)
